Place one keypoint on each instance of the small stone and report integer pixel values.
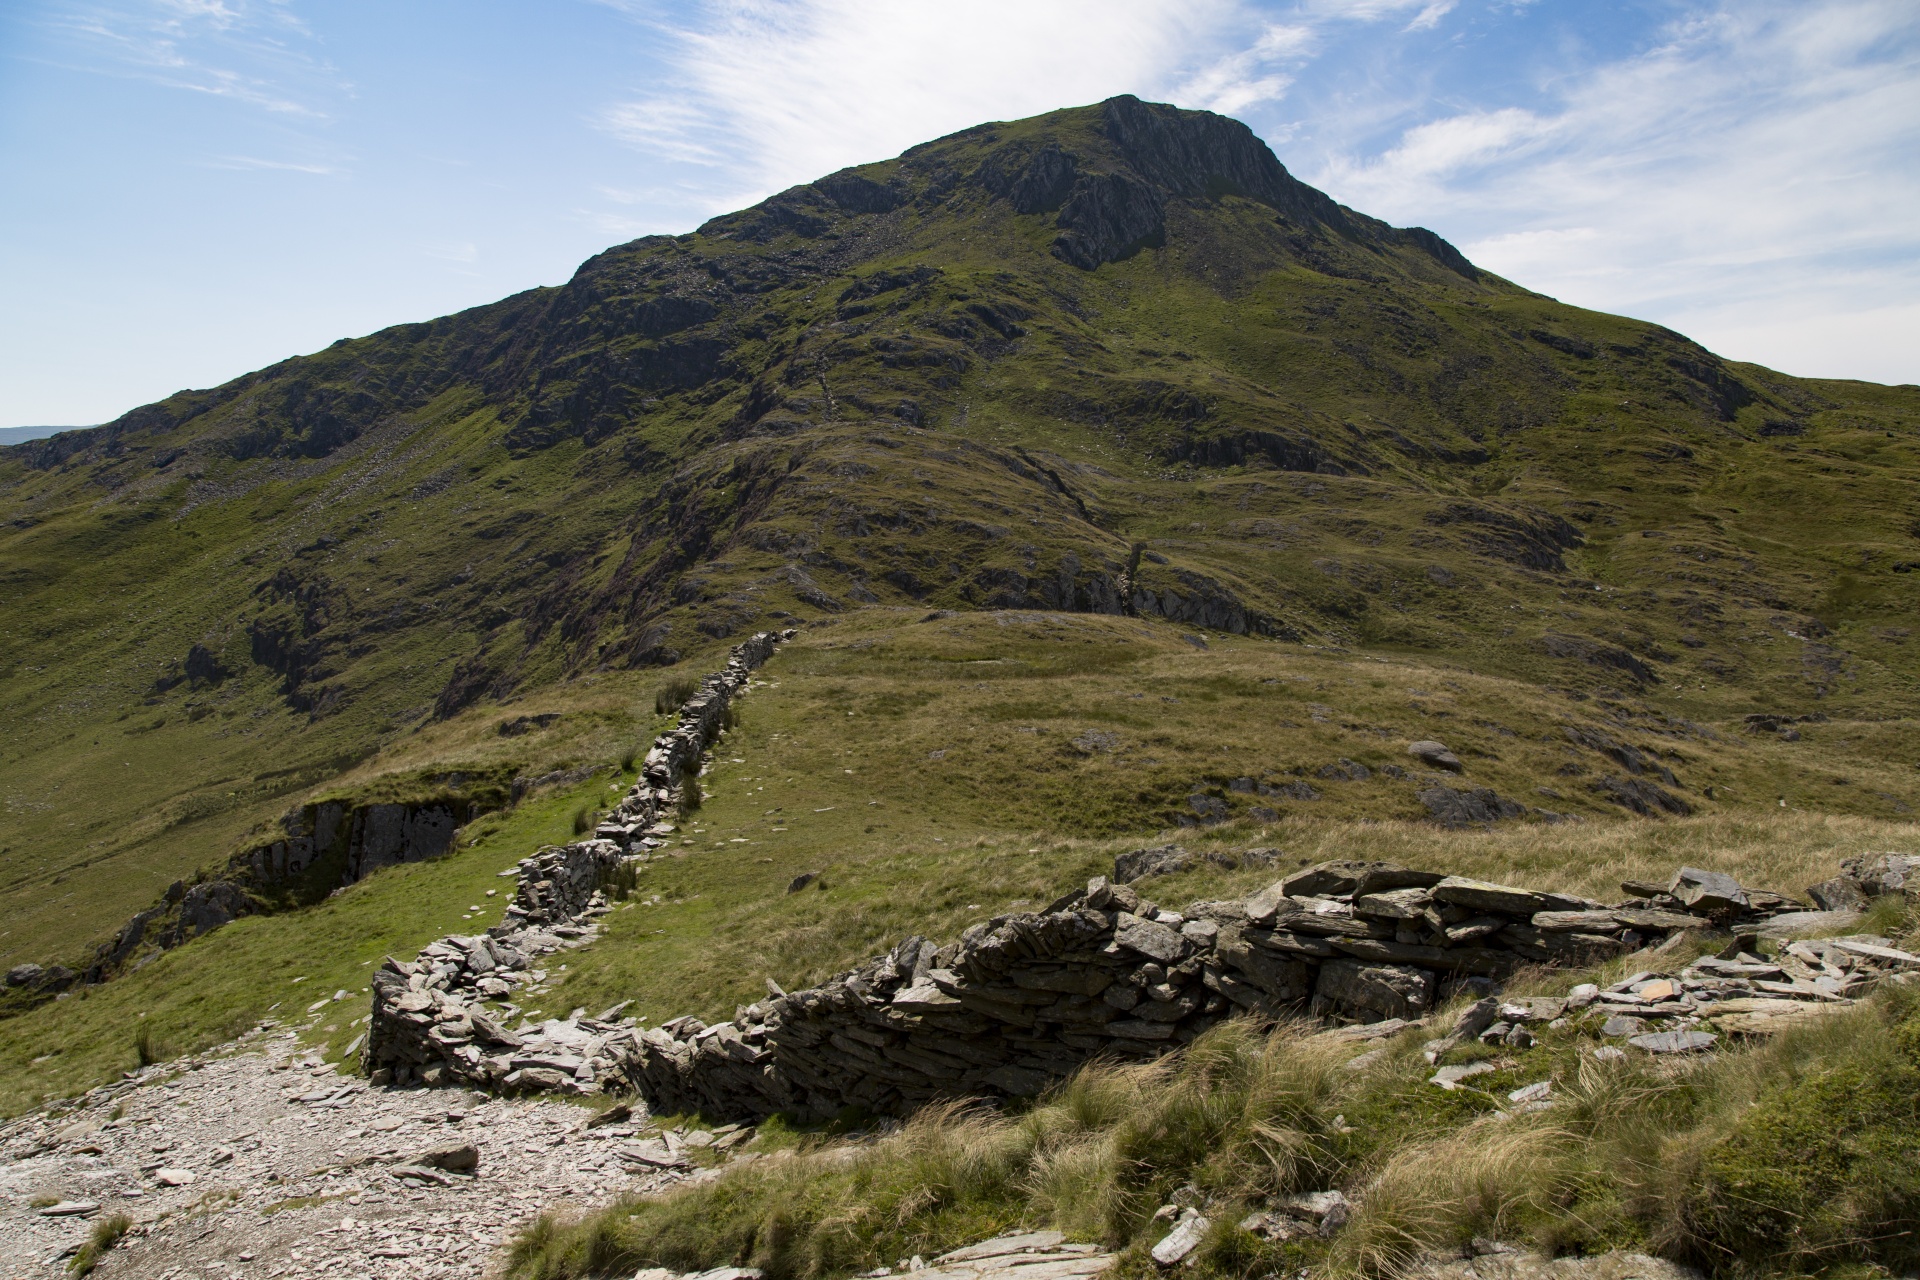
(173, 1177)
(70, 1209)
(1181, 1241)
(1450, 1077)
(1330, 1209)
(1532, 1093)
(1621, 1024)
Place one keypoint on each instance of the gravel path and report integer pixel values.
(260, 1160)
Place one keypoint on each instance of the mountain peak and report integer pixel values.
(1105, 174)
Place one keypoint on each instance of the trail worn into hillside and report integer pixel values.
(261, 1160)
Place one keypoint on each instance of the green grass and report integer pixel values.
(272, 967)
(1784, 1158)
(1008, 816)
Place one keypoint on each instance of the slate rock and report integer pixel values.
(1331, 1209)
(1842, 893)
(1149, 937)
(1710, 893)
(1181, 1241)
(1326, 879)
(1480, 895)
(1454, 808)
(1390, 990)
(1394, 904)
(1675, 1041)
(1450, 1077)
(461, 1159)
(1797, 924)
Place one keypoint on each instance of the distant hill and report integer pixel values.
(1109, 360)
(18, 435)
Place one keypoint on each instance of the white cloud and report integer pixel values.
(1429, 18)
(250, 51)
(784, 92)
(768, 93)
(1751, 174)
(254, 162)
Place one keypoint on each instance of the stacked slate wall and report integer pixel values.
(429, 1022)
(1022, 999)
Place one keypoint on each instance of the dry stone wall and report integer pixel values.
(430, 1019)
(1022, 999)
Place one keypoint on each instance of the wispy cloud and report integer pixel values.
(1756, 160)
(256, 52)
(767, 93)
(254, 162)
(1429, 18)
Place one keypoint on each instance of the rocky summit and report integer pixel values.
(1062, 704)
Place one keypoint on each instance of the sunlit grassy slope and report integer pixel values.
(936, 770)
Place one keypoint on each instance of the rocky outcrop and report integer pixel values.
(326, 845)
(430, 1022)
(362, 838)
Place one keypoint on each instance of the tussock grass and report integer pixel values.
(1795, 1155)
(673, 695)
(106, 1234)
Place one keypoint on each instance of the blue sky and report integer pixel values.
(196, 188)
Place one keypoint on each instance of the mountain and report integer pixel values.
(1111, 360)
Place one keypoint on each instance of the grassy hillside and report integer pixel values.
(1103, 387)
(935, 771)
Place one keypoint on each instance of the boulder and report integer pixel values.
(1389, 990)
(1435, 755)
(1885, 873)
(1141, 863)
(1454, 808)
